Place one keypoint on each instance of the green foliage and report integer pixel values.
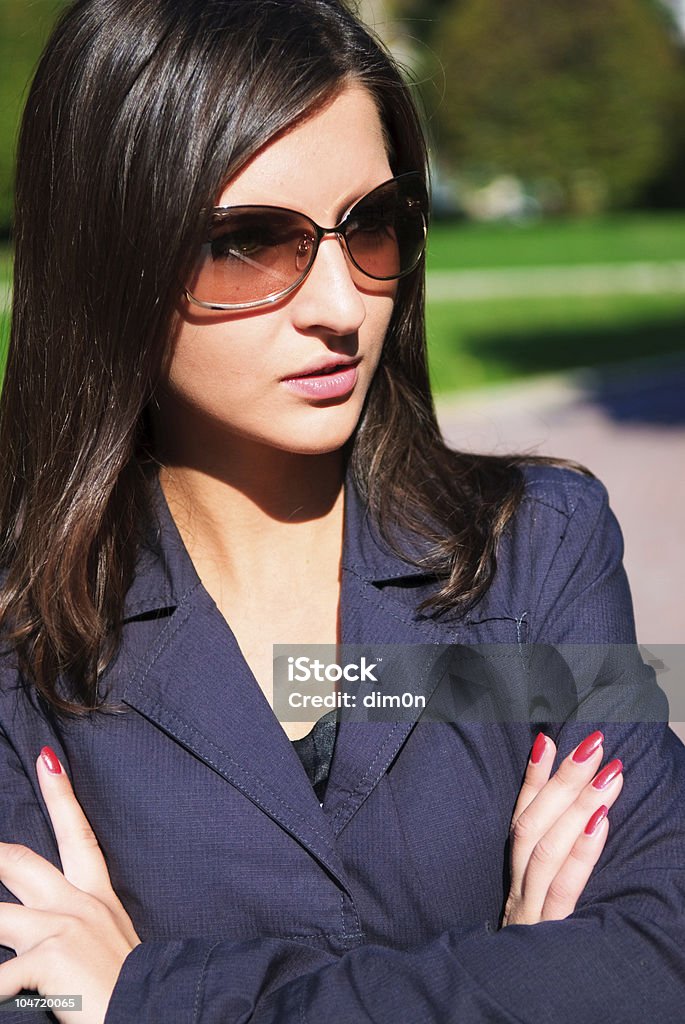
(24, 27)
(420, 12)
(574, 95)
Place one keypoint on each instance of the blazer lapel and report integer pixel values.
(194, 684)
(371, 614)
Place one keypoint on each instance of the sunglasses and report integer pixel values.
(256, 255)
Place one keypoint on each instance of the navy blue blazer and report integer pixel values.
(254, 903)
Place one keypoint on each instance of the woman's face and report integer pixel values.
(226, 381)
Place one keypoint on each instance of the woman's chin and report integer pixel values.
(315, 445)
(320, 435)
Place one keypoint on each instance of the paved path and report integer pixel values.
(628, 426)
(537, 282)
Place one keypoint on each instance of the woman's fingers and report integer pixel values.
(548, 865)
(72, 929)
(82, 860)
(22, 928)
(20, 973)
(75, 944)
(537, 773)
(32, 879)
(568, 884)
(559, 828)
(552, 799)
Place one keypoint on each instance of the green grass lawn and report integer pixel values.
(618, 239)
(482, 342)
(471, 344)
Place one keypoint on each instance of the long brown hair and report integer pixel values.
(139, 112)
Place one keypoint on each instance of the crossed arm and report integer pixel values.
(72, 933)
(618, 957)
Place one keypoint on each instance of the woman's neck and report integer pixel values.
(263, 514)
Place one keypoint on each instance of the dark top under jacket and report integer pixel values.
(315, 751)
(254, 903)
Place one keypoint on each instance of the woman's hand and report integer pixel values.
(72, 934)
(558, 829)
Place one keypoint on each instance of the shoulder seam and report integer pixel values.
(548, 501)
(573, 489)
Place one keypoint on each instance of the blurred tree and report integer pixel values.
(24, 27)
(575, 95)
(667, 188)
(418, 20)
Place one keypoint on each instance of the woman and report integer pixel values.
(219, 436)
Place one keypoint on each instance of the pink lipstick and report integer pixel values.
(335, 382)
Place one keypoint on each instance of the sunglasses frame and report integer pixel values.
(319, 233)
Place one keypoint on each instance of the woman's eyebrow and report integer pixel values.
(342, 209)
(348, 204)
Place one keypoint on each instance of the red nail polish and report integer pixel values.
(538, 750)
(594, 822)
(587, 748)
(608, 774)
(51, 761)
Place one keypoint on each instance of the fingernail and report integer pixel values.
(608, 774)
(51, 761)
(538, 750)
(594, 822)
(588, 747)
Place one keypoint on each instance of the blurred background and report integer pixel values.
(556, 263)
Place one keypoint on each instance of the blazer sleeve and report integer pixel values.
(620, 958)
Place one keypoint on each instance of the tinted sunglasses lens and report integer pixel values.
(252, 255)
(386, 231)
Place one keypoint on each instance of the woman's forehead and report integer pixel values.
(333, 156)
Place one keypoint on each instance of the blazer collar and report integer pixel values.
(222, 716)
(364, 550)
(165, 572)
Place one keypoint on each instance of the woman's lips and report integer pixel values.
(332, 384)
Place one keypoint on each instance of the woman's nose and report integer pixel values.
(329, 298)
